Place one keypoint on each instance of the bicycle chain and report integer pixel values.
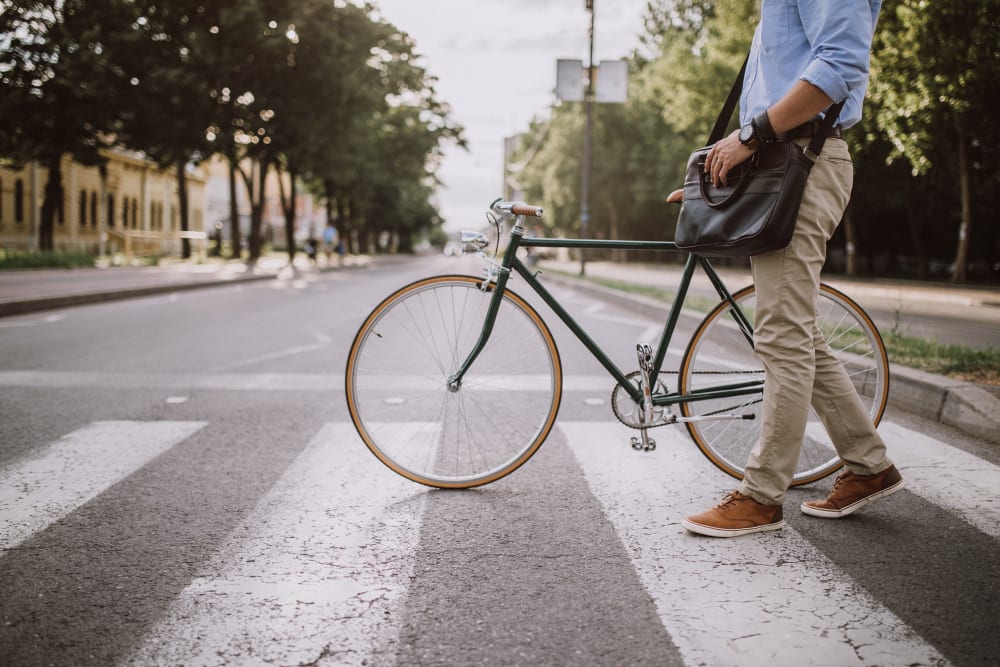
(637, 426)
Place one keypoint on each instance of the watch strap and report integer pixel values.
(762, 126)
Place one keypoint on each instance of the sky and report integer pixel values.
(495, 61)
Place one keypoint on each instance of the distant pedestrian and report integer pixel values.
(804, 57)
(311, 248)
(330, 239)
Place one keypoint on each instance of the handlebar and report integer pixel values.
(517, 208)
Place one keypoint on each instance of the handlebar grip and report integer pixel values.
(525, 209)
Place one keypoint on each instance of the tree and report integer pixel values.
(55, 80)
(935, 75)
(168, 57)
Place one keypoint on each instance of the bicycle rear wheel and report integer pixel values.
(721, 353)
(397, 383)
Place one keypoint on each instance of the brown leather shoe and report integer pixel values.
(852, 492)
(736, 515)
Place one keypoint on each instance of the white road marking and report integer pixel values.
(272, 381)
(270, 356)
(769, 599)
(947, 476)
(316, 573)
(76, 468)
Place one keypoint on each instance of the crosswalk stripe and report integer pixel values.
(947, 476)
(316, 572)
(763, 600)
(37, 492)
(267, 381)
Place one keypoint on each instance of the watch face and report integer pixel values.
(746, 134)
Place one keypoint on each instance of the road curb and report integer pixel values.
(32, 305)
(958, 404)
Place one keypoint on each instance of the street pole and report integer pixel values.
(588, 107)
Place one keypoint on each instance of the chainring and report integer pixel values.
(630, 413)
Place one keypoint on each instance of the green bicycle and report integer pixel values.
(455, 381)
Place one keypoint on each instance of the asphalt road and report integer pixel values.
(180, 484)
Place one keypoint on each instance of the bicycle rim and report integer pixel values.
(397, 391)
(719, 353)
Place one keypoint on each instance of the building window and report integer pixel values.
(135, 214)
(111, 210)
(93, 209)
(124, 212)
(19, 201)
(83, 208)
(61, 207)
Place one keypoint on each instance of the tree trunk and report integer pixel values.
(344, 226)
(53, 188)
(328, 195)
(288, 208)
(234, 214)
(182, 204)
(965, 229)
(256, 193)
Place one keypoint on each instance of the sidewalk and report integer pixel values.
(32, 290)
(963, 405)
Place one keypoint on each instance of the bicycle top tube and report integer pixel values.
(522, 210)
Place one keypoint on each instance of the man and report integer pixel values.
(805, 55)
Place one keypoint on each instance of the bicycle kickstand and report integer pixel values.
(644, 443)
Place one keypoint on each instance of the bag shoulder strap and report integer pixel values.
(722, 122)
(812, 151)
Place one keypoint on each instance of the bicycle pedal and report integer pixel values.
(650, 445)
(636, 444)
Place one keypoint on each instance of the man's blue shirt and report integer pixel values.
(824, 42)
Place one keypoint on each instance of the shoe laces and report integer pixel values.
(730, 500)
(841, 478)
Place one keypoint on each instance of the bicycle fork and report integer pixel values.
(643, 442)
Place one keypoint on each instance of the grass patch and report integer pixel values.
(957, 361)
(44, 260)
(691, 301)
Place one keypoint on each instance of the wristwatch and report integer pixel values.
(748, 134)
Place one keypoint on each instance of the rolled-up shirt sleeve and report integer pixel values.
(840, 37)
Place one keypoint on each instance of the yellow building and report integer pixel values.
(134, 211)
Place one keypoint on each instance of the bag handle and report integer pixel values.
(812, 151)
(737, 190)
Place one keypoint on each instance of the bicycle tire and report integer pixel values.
(719, 350)
(397, 390)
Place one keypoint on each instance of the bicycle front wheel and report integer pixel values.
(397, 383)
(721, 353)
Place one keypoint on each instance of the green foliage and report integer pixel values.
(44, 260)
(957, 361)
(935, 88)
(323, 90)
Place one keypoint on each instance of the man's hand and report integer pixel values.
(724, 156)
(676, 197)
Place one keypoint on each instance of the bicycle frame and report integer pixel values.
(511, 262)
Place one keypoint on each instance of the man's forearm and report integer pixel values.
(800, 104)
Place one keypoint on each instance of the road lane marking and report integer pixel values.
(947, 476)
(769, 599)
(76, 468)
(271, 381)
(317, 572)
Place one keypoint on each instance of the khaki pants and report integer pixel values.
(799, 368)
